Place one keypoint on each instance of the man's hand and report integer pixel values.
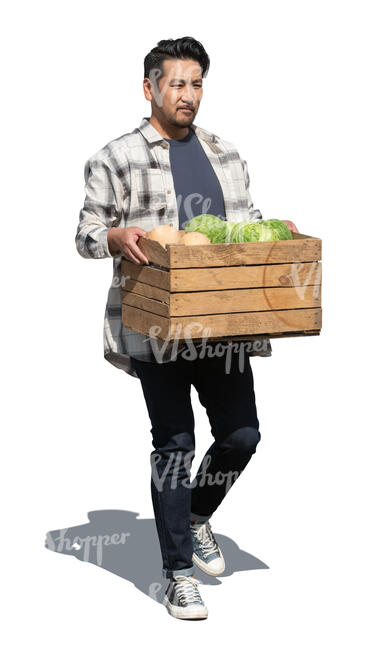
(290, 225)
(123, 241)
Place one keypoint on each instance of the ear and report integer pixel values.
(148, 90)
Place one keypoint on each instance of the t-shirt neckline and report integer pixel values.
(183, 140)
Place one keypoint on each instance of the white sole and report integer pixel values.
(202, 565)
(179, 612)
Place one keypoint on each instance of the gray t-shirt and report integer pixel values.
(197, 187)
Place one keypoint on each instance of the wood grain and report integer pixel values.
(240, 277)
(299, 249)
(147, 290)
(242, 300)
(265, 252)
(154, 252)
(219, 325)
(267, 322)
(145, 273)
(148, 304)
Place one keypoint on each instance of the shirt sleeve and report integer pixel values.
(101, 211)
(255, 214)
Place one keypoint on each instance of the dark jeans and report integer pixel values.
(229, 400)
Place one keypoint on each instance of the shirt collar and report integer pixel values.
(151, 134)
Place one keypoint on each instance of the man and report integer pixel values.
(165, 172)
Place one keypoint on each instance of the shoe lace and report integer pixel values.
(206, 539)
(187, 590)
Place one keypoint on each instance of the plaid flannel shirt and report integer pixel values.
(129, 183)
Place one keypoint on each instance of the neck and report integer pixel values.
(169, 130)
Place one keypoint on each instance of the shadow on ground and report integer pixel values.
(119, 542)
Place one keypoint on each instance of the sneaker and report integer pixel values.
(182, 598)
(207, 554)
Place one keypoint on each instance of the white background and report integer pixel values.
(290, 86)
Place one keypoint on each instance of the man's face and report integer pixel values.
(179, 88)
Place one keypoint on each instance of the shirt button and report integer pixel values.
(168, 191)
(167, 165)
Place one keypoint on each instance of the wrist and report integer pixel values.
(112, 241)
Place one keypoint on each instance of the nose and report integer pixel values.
(188, 95)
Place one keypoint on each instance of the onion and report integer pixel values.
(164, 235)
(194, 239)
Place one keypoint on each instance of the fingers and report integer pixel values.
(127, 253)
(290, 225)
(140, 231)
(138, 253)
(293, 227)
(135, 254)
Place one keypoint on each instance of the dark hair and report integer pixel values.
(179, 48)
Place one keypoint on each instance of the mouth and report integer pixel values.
(186, 110)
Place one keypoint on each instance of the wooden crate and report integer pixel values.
(225, 291)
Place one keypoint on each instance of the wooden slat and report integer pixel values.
(142, 302)
(265, 252)
(237, 277)
(242, 300)
(179, 256)
(302, 248)
(145, 273)
(267, 322)
(154, 252)
(298, 235)
(147, 290)
(143, 321)
(270, 323)
(259, 337)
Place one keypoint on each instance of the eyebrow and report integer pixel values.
(183, 80)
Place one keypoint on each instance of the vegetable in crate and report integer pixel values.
(210, 225)
(229, 225)
(280, 226)
(166, 234)
(193, 239)
(227, 232)
(266, 230)
(207, 228)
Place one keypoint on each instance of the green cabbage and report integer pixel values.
(209, 225)
(229, 225)
(280, 226)
(244, 231)
(264, 230)
(219, 231)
